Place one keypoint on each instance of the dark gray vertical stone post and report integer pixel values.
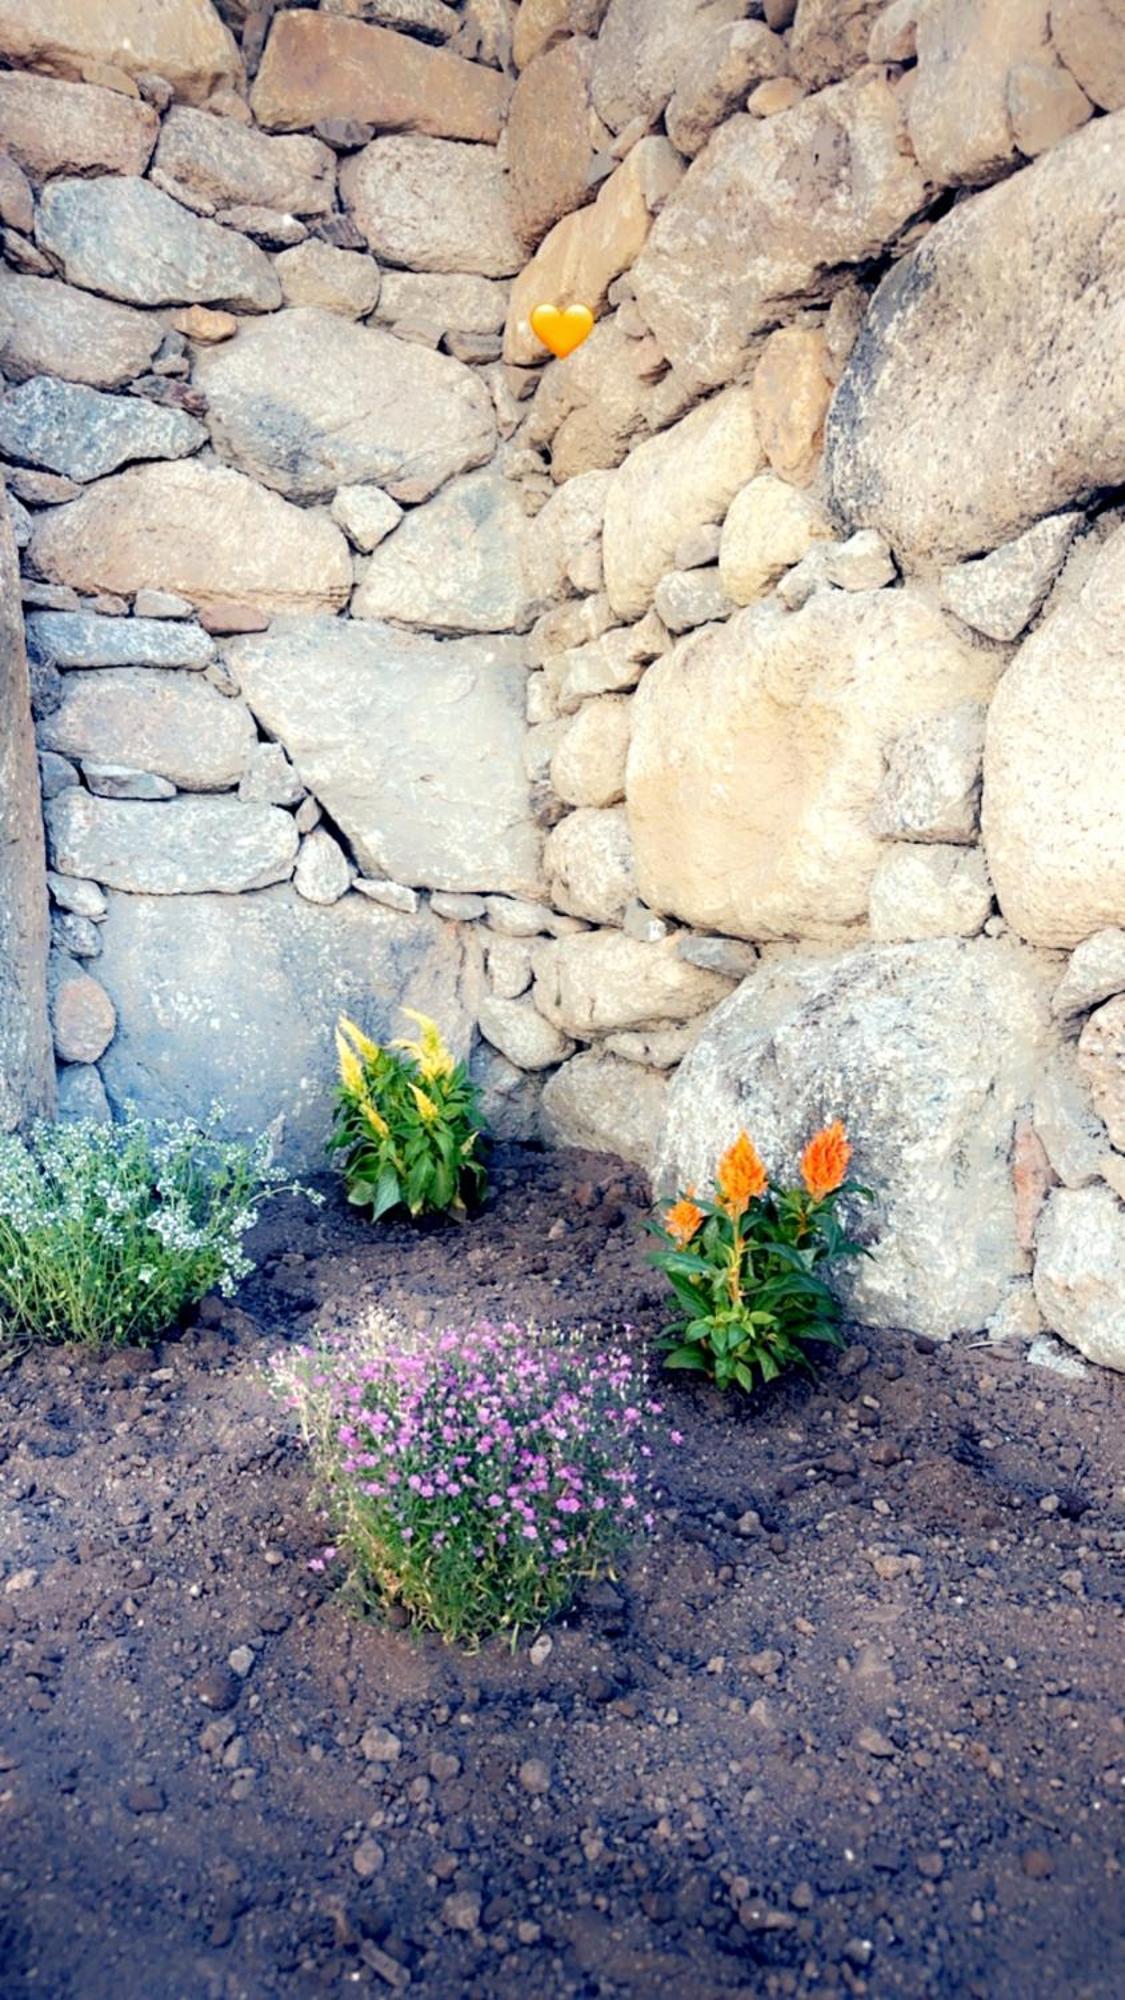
(27, 1067)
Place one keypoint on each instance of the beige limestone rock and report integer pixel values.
(671, 484)
(432, 204)
(1026, 412)
(1090, 37)
(204, 324)
(366, 514)
(959, 118)
(1054, 804)
(1072, 1135)
(74, 128)
(769, 527)
(305, 401)
(757, 752)
(508, 961)
(582, 255)
(1101, 1060)
(588, 767)
(203, 531)
(1044, 104)
(791, 396)
(931, 790)
(564, 545)
(1080, 1272)
(17, 202)
(183, 41)
(610, 664)
(715, 78)
(894, 32)
(320, 66)
(47, 328)
(519, 1031)
(655, 1048)
(999, 594)
(455, 300)
(227, 164)
(588, 863)
(829, 39)
(180, 846)
(770, 213)
(322, 873)
(686, 598)
(777, 94)
(611, 392)
(171, 724)
(605, 1105)
(642, 50)
(923, 891)
(1096, 972)
(551, 139)
(541, 24)
(340, 281)
(458, 564)
(600, 980)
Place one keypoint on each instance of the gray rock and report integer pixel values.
(27, 1078)
(689, 597)
(518, 1030)
(936, 456)
(458, 301)
(81, 1094)
(322, 873)
(588, 861)
(340, 281)
(180, 847)
(306, 402)
(369, 715)
(928, 1052)
(366, 514)
(120, 781)
(1080, 1271)
(55, 774)
(47, 328)
(457, 564)
(76, 936)
(84, 434)
(270, 780)
(459, 909)
(1072, 1135)
(863, 562)
(1095, 973)
(728, 956)
(83, 1019)
(233, 998)
(226, 164)
(20, 521)
(605, 1105)
(509, 1097)
(83, 639)
(433, 205)
(931, 790)
(920, 891)
(1101, 1060)
(127, 239)
(71, 892)
(160, 604)
(1000, 594)
(392, 895)
(171, 724)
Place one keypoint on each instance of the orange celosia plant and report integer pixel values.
(743, 1265)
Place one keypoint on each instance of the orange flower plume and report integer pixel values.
(741, 1177)
(824, 1162)
(683, 1219)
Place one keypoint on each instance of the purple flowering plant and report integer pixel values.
(477, 1476)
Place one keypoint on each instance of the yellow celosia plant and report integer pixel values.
(406, 1128)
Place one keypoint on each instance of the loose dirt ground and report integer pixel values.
(853, 1722)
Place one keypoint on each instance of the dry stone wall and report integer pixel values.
(720, 726)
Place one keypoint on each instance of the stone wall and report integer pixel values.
(722, 724)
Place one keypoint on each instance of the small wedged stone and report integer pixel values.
(1000, 594)
(519, 1031)
(121, 781)
(322, 873)
(1101, 1061)
(458, 564)
(83, 1018)
(931, 788)
(181, 846)
(85, 434)
(588, 862)
(125, 238)
(340, 281)
(921, 891)
(1095, 973)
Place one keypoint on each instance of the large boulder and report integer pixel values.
(551, 139)
(605, 1105)
(376, 720)
(974, 57)
(307, 401)
(218, 161)
(172, 724)
(52, 329)
(183, 41)
(83, 434)
(1090, 37)
(204, 532)
(829, 38)
(927, 1052)
(175, 847)
(74, 128)
(985, 388)
(768, 216)
(1080, 1271)
(1054, 804)
(758, 751)
(433, 205)
(459, 564)
(27, 1069)
(124, 237)
(641, 52)
(321, 66)
(232, 998)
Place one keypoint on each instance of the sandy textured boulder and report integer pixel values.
(931, 790)
(1101, 1060)
(927, 1052)
(202, 531)
(791, 397)
(758, 750)
(578, 261)
(74, 128)
(519, 1031)
(313, 273)
(433, 205)
(449, 302)
(52, 329)
(960, 115)
(79, 432)
(366, 514)
(82, 1014)
(670, 485)
(172, 724)
(306, 401)
(216, 160)
(716, 77)
(948, 461)
(829, 38)
(128, 239)
(551, 139)
(321, 66)
(540, 24)
(1090, 37)
(1096, 972)
(1054, 804)
(588, 766)
(183, 41)
(1080, 1271)
(606, 396)
(642, 48)
(599, 980)
(605, 1105)
(374, 720)
(228, 997)
(1000, 594)
(588, 862)
(27, 1071)
(922, 891)
(177, 847)
(767, 215)
(768, 529)
(459, 564)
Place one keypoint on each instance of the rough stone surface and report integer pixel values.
(757, 753)
(960, 117)
(606, 1105)
(84, 434)
(177, 847)
(373, 719)
(340, 281)
(320, 66)
(121, 781)
(1090, 37)
(228, 164)
(641, 50)
(1096, 972)
(599, 980)
(829, 38)
(550, 139)
(1101, 1060)
(433, 205)
(449, 301)
(768, 529)
(83, 639)
(322, 873)
(26, 1067)
(128, 239)
(1072, 1135)
(82, 1014)
(927, 1052)
(768, 214)
(227, 997)
(74, 128)
(1080, 1272)
(951, 461)
(1000, 594)
(588, 766)
(791, 396)
(606, 665)
(931, 790)
(686, 598)
(588, 862)
(81, 1094)
(669, 485)
(1054, 806)
(182, 41)
(929, 891)
(50, 329)
(203, 531)
(456, 565)
(519, 1031)
(1044, 105)
(305, 402)
(171, 724)
(716, 78)
(541, 23)
(366, 514)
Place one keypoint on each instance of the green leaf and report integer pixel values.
(686, 1357)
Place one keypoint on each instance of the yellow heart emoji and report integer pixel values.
(562, 329)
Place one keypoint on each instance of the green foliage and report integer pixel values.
(406, 1126)
(108, 1231)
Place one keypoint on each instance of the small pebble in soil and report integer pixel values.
(461, 1911)
(218, 1688)
(379, 1745)
(145, 1799)
(368, 1859)
(241, 1661)
(535, 1777)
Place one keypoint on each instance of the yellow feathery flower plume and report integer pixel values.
(376, 1121)
(362, 1043)
(351, 1069)
(429, 1051)
(427, 1108)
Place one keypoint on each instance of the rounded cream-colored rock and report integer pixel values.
(605, 1104)
(1080, 1271)
(588, 767)
(769, 527)
(791, 395)
(588, 862)
(1101, 1059)
(83, 1018)
(929, 891)
(599, 980)
(313, 273)
(184, 41)
(519, 1031)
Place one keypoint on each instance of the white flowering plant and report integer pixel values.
(107, 1231)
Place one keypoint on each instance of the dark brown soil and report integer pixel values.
(851, 1723)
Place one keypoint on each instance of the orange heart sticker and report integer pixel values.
(562, 329)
